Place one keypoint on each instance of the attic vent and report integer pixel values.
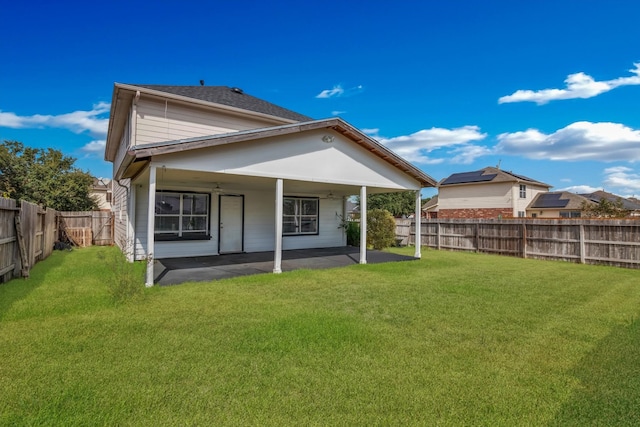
(237, 90)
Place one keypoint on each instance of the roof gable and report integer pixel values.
(335, 124)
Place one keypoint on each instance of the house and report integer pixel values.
(430, 208)
(486, 193)
(208, 170)
(102, 193)
(629, 204)
(557, 204)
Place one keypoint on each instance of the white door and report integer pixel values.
(231, 224)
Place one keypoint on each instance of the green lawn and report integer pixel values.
(453, 339)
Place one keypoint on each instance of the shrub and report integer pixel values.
(126, 282)
(381, 229)
(353, 233)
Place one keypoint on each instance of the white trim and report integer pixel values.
(363, 225)
(277, 252)
(151, 223)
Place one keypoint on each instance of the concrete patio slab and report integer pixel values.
(172, 271)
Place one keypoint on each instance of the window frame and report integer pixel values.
(181, 233)
(298, 217)
(523, 191)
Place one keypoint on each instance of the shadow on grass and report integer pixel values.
(610, 383)
(19, 288)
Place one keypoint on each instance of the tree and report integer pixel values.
(605, 209)
(44, 176)
(398, 204)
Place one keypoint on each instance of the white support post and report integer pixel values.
(277, 250)
(151, 224)
(418, 222)
(363, 225)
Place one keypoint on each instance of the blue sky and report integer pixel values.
(547, 89)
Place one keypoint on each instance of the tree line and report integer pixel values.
(46, 177)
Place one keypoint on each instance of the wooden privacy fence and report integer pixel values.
(27, 234)
(88, 228)
(587, 241)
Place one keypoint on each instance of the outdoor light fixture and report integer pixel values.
(328, 139)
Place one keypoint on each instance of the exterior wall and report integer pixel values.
(259, 227)
(486, 213)
(522, 203)
(125, 141)
(476, 196)
(158, 121)
(550, 213)
(302, 157)
(120, 209)
(484, 199)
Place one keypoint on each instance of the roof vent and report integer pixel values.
(237, 90)
(201, 82)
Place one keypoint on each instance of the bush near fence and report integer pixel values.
(588, 241)
(28, 233)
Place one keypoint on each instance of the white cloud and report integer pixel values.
(625, 179)
(602, 141)
(579, 189)
(467, 154)
(578, 85)
(76, 121)
(417, 146)
(337, 112)
(94, 147)
(339, 92)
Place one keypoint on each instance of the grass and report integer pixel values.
(453, 339)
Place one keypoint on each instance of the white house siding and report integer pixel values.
(122, 148)
(330, 233)
(303, 157)
(159, 121)
(119, 208)
(259, 226)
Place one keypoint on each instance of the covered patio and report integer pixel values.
(173, 271)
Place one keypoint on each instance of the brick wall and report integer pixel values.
(487, 213)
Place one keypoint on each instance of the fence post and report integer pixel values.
(582, 246)
(524, 239)
(24, 260)
(438, 235)
(477, 237)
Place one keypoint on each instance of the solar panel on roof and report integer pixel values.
(464, 177)
(550, 201)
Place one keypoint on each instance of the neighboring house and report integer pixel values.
(557, 204)
(102, 193)
(628, 204)
(430, 208)
(352, 209)
(206, 170)
(487, 193)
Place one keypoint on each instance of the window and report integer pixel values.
(299, 216)
(570, 214)
(182, 216)
(523, 191)
(521, 214)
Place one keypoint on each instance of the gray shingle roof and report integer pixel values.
(488, 174)
(596, 196)
(232, 97)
